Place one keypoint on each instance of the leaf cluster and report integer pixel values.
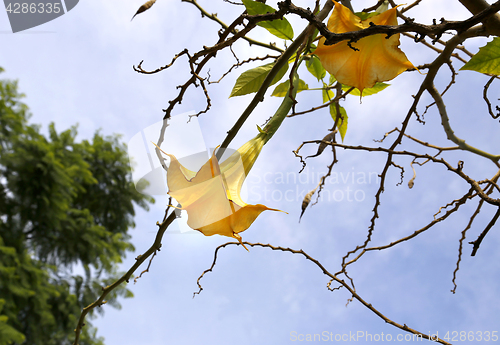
(64, 204)
(251, 80)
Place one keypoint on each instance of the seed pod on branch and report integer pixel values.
(306, 201)
(328, 138)
(146, 6)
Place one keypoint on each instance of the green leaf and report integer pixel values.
(366, 15)
(251, 80)
(279, 27)
(260, 130)
(282, 89)
(328, 95)
(332, 80)
(367, 92)
(315, 67)
(312, 45)
(342, 122)
(8, 334)
(487, 60)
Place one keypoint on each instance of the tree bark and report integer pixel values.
(492, 24)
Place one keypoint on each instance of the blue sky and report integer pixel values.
(78, 69)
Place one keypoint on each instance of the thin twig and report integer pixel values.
(259, 96)
(485, 97)
(460, 245)
(478, 241)
(125, 278)
(341, 282)
(214, 17)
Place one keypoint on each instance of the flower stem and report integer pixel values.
(259, 96)
(283, 110)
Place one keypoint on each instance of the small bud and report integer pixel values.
(383, 7)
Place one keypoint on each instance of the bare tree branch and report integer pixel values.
(342, 283)
(477, 242)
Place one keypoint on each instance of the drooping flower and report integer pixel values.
(377, 57)
(211, 196)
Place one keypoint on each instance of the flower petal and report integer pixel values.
(236, 222)
(211, 196)
(203, 196)
(343, 20)
(377, 59)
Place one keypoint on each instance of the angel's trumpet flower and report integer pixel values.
(372, 59)
(211, 196)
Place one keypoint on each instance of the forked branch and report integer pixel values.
(341, 282)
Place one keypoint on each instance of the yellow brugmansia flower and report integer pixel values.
(378, 58)
(211, 196)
